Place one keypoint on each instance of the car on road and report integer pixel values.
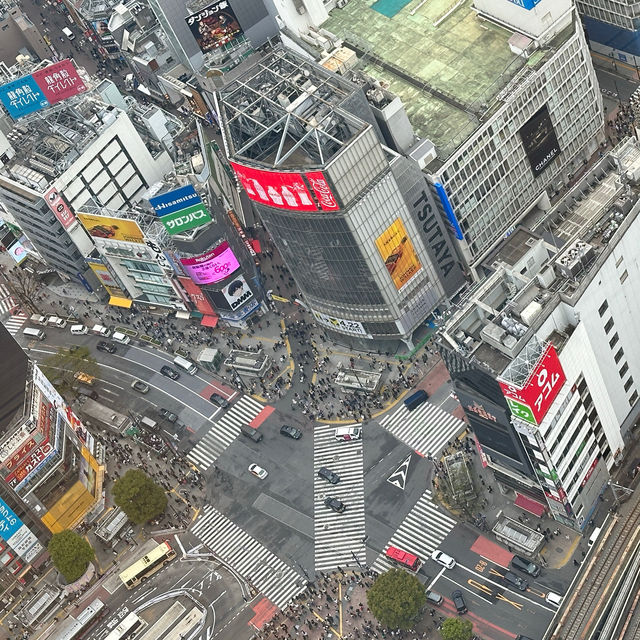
(525, 565)
(141, 387)
(515, 581)
(107, 347)
(170, 372)
(169, 416)
(442, 558)
(334, 504)
(257, 471)
(290, 432)
(458, 601)
(553, 598)
(218, 400)
(328, 475)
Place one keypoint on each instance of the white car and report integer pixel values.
(257, 471)
(442, 558)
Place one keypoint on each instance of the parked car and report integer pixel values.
(442, 558)
(328, 475)
(458, 601)
(170, 372)
(257, 471)
(290, 432)
(334, 504)
(218, 400)
(515, 581)
(106, 347)
(526, 566)
(141, 387)
(169, 416)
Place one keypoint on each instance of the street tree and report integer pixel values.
(24, 286)
(396, 599)
(139, 496)
(62, 367)
(456, 629)
(71, 554)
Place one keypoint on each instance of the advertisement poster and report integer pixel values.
(212, 266)
(175, 200)
(341, 324)
(22, 97)
(185, 219)
(107, 280)
(323, 191)
(275, 188)
(112, 228)
(59, 81)
(214, 26)
(237, 293)
(396, 249)
(197, 297)
(539, 141)
(17, 252)
(59, 207)
(9, 521)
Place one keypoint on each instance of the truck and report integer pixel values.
(67, 32)
(96, 413)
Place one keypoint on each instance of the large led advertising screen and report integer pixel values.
(213, 266)
(214, 26)
(539, 141)
(398, 253)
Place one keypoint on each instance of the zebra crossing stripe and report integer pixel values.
(13, 324)
(275, 579)
(426, 429)
(224, 431)
(338, 536)
(420, 533)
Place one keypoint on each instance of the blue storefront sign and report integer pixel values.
(22, 97)
(448, 209)
(84, 282)
(526, 4)
(9, 521)
(175, 200)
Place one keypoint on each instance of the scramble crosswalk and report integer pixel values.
(422, 531)
(224, 431)
(14, 323)
(275, 579)
(338, 536)
(426, 429)
(7, 301)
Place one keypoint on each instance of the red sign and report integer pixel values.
(594, 464)
(542, 386)
(196, 296)
(20, 454)
(59, 207)
(322, 190)
(59, 81)
(275, 188)
(247, 243)
(36, 457)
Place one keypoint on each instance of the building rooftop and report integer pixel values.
(13, 380)
(446, 63)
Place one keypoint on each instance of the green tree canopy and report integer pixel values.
(396, 599)
(456, 629)
(62, 367)
(139, 496)
(71, 554)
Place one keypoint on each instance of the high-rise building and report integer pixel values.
(505, 91)
(544, 351)
(355, 222)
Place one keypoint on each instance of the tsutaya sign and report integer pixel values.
(531, 401)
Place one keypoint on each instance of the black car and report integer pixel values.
(168, 415)
(515, 581)
(334, 504)
(459, 602)
(106, 346)
(328, 475)
(290, 432)
(526, 566)
(218, 400)
(169, 372)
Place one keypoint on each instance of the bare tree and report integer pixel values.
(24, 287)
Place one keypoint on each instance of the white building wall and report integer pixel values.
(314, 14)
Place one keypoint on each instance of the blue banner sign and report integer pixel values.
(175, 200)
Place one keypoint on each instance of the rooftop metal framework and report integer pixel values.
(522, 366)
(285, 105)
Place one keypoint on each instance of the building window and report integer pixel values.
(624, 276)
(603, 307)
(624, 369)
(614, 341)
(608, 326)
(618, 355)
(634, 398)
(628, 384)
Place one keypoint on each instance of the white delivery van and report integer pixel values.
(594, 535)
(34, 333)
(348, 433)
(67, 32)
(36, 318)
(101, 330)
(122, 338)
(54, 321)
(185, 364)
(78, 329)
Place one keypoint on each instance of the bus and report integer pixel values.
(77, 628)
(403, 558)
(147, 565)
(130, 627)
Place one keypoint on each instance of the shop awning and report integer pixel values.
(530, 505)
(255, 243)
(209, 321)
(183, 315)
(120, 302)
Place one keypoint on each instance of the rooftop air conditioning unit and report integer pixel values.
(342, 3)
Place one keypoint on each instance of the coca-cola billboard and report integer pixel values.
(284, 190)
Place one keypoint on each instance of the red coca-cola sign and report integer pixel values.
(323, 192)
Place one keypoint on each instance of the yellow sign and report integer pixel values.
(279, 298)
(106, 280)
(112, 228)
(396, 249)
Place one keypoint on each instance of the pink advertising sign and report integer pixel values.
(212, 266)
(59, 81)
(322, 190)
(59, 208)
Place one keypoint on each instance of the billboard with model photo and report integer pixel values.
(396, 249)
(539, 141)
(214, 26)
